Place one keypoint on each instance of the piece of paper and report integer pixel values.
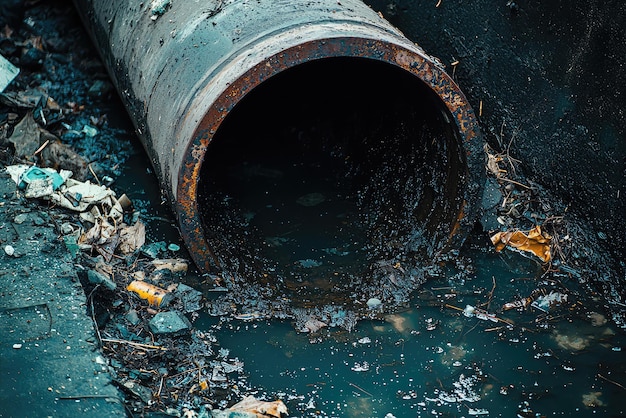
(8, 72)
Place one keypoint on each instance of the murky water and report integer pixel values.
(429, 359)
(432, 360)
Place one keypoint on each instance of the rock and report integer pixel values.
(96, 277)
(9, 250)
(139, 391)
(170, 322)
(189, 297)
(133, 317)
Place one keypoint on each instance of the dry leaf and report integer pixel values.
(132, 238)
(25, 137)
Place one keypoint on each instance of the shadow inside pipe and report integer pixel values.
(337, 178)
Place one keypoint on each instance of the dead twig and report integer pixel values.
(361, 389)
(134, 344)
(93, 173)
(93, 315)
(41, 148)
(611, 381)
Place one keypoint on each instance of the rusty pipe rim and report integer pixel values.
(206, 120)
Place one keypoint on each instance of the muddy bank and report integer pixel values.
(549, 89)
(549, 85)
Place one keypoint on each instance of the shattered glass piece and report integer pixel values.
(8, 72)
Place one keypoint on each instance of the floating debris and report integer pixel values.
(534, 241)
(597, 319)
(541, 298)
(571, 342)
(251, 316)
(472, 311)
(592, 399)
(261, 409)
(311, 199)
(360, 367)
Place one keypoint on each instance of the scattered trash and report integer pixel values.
(597, 319)
(158, 8)
(571, 342)
(170, 322)
(261, 409)
(8, 72)
(97, 277)
(138, 390)
(26, 136)
(374, 303)
(248, 316)
(175, 265)
(592, 399)
(308, 263)
(533, 241)
(313, 325)
(189, 298)
(131, 238)
(547, 301)
(154, 295)
(472, 311)
(541, 298)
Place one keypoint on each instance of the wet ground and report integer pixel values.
(556, 352)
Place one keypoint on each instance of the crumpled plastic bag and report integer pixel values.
(59, 187)
(534, 241)
(252, 405)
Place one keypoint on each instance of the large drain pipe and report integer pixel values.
(181, 67)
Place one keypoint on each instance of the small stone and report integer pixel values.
(133, 317)
(173, 247)
(17, 346)
(21, 218)
(9, 250)
(96, 277)
(170, 322)
(374, 303)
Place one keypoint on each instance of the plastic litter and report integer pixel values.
(534, 241)
(260, 408)
(8, 72)
(154, 295)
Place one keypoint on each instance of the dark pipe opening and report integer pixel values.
(330, 173)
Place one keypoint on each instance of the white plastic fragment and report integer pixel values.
(374, 303)
(8, 72)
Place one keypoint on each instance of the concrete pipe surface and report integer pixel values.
(325, 90)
